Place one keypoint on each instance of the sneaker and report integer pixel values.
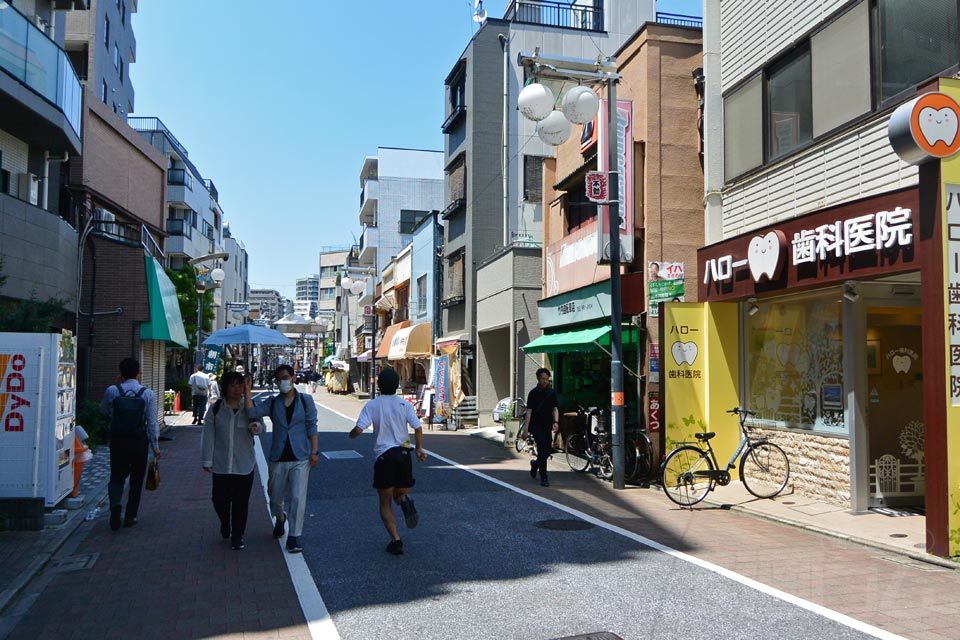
(115, 519)
(224, 531)
(129, 522)
(544, 482)
(533, 469)
(237, 544)
(293, 544)
(395, 547)
(278, 527)
(409, 512)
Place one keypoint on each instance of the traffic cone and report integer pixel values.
(81, 454)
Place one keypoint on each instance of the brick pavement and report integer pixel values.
(171, 576)
(878, 586)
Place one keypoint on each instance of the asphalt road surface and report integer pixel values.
(487, 561)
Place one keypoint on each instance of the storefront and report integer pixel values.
(409, 353)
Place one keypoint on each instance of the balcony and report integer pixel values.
(177, 227)
(180, 177)
(154, 125)
(679, 20)
(556, 14)
(368, 246)
(368, 202)
(32, 60)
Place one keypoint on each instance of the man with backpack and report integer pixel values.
(199, 387)
(132, 410)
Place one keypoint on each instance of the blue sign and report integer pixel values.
(211, 357)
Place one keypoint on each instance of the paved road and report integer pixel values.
(489, 561)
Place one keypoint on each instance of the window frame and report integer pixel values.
(106, 32)
(774, 66)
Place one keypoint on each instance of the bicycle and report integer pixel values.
(637, 455)
(590, 446)
(689, 472)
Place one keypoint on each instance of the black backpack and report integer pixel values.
(129, 419)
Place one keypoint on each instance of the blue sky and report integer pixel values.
(279, 102)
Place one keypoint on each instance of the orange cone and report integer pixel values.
(81, 454)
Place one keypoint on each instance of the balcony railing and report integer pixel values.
(27, 54)
(176, 227)
(556, 14)
(679, 20)
(180, 177)
(155, 124)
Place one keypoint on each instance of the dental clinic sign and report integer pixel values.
(856, 240)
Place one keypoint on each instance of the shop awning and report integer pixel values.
(412, 342)
(567, 341)
(451, 339)
(383, 349)
(364, 357)
(165, 322)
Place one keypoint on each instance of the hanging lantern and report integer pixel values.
(554, 129)
(535, 102)
(580, 105)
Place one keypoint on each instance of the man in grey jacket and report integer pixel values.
(293, 451)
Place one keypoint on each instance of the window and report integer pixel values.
(106, 32)
(794, 355)
(453, 291)
(422, 295)
(409, 219)
(917, 40)
(577, 210)
(789, 104)
(840, 67)
(116, 57)
(120, 69)
(123, 12)
(742, 135)
(458, 93)
(533, 178)
(458, 180)
(103, 92)
(328, 293)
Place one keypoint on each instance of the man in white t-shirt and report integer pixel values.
(199, 387)
(390, 416)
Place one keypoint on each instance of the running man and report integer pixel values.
(390, 416)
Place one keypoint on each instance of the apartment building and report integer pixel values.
(306, 302)
(823, 271)
(236, 288)
(102, 46)
(493, 160)
(267, 302)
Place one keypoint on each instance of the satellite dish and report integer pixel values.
(480, 16)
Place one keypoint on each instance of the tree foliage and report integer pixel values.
(29, 316)
(185, 282)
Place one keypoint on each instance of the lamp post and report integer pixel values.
(536, 102)
(206, 281)
(356, 287)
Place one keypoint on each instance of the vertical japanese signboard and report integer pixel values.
(624, 193)
(953, 290)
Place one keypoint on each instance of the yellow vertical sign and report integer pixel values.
(700, 356)
(950, 192)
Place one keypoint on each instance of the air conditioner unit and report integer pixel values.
(28, 186)
(104, 222)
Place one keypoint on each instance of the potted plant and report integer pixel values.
(511, 425)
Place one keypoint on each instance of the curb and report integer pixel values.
(66, 530)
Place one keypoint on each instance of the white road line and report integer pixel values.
(314, 610)
(813, 607)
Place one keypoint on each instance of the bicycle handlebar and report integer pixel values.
(738, 411)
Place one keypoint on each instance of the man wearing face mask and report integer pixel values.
(293, 451)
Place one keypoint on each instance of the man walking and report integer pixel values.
(199, 387)
(294, 450)
(542, 420)
(393, 470)
(132, 409)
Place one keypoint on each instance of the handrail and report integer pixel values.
(556, 14)
(679, 19)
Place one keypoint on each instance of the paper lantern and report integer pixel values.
(535, 102)
(554, 129)
(580, 105)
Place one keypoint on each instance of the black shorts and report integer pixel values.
(394, 469)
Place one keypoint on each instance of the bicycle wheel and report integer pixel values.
(687, 475)
(578, 452)
(630, 460)
(764, 469)
(604, 466)
(521, 442)
(644, 457)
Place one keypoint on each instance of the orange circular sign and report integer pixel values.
(934, 121)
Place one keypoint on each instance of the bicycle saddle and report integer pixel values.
(704, 436)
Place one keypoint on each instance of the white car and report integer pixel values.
(500, 409)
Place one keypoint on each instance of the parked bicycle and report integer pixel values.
(637, 455)
(691, 471)
(590, 446)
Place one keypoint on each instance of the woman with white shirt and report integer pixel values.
(227, 453)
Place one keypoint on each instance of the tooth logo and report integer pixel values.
(765, 256)
(684, 352)
(938, 125)
(901, 363)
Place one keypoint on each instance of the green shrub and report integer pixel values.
(94, 422)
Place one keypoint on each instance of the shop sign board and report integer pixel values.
(211, 357)
(653, 404)
(865, 238)
(582, 305)
(925, 128)
(597, 187)
(624, 195)
(664, 284)
(441, 370)
(571, 262)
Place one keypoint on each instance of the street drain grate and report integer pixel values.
(597, 635)
(914, 564)
(564, 524)
(74, 563)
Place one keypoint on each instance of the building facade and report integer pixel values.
(821, 272)
(102, 46)
(235, 291)
(267, 303)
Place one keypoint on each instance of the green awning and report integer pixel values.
(165, 321)
(567, 341)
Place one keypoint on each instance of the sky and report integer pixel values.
(279, 102)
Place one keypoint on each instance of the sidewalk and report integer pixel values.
(170, 576)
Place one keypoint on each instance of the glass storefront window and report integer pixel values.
(794, 363)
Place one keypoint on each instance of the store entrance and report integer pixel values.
(894, 402)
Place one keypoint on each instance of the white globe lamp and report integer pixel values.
(358, 287)
(554, 129)
(535, 102)
(217, 275)
(580, 105)
(346, 282)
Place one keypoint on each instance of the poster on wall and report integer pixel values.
(664, 284)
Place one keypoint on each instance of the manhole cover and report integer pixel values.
(563, 524)
(74, 563)
(341, 455)
(599, 635)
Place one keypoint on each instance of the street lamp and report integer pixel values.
(357, 286)
(206, 281)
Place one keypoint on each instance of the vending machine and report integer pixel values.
(37, 415)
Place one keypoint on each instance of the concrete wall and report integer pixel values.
(39, 253)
